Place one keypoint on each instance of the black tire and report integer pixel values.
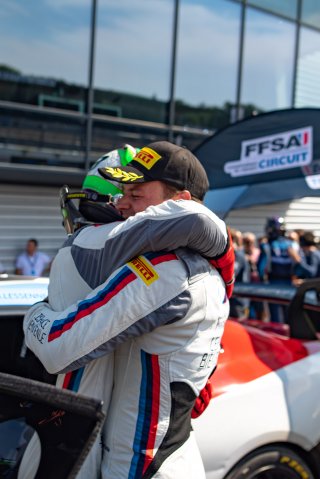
(271, 463)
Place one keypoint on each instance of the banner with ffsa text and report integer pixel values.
(280, 145)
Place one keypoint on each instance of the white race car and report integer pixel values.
(264, 421)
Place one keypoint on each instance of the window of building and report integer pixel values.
(46, 50)
(267, 61)
(133, 58)
(207, 63)
(308, 71)
(287, 8)
(310, 13)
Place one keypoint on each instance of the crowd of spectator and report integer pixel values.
(280, 257)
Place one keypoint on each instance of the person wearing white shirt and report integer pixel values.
(32, 262)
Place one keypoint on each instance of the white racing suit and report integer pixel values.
(163, 316)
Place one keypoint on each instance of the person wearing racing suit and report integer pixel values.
(170, 306)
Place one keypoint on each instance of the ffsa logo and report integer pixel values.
(279, 143)
(290, 149)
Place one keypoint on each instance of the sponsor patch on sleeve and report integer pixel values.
(144, 270)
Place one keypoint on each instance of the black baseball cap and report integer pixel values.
(163, 161)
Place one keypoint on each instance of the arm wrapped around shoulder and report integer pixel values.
(224, 263)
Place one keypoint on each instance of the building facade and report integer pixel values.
(78, 78)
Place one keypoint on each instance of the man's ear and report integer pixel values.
(182, 195)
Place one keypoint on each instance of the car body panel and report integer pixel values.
(266, 391)
(250, 353)
(281, 406)
(19, 292)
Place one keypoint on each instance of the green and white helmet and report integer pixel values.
(96, 198)
(95, 182)
(98, 204)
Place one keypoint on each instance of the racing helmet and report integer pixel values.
(275, 227)
(97, 195)
(98, 205)
(95, 182)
